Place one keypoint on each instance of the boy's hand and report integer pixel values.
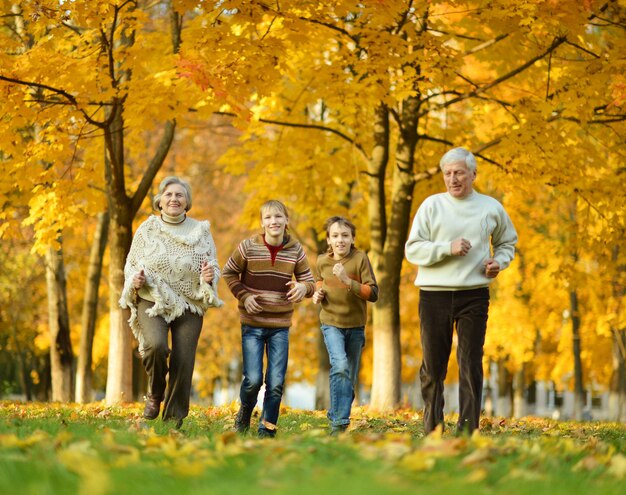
(252, 307)
(318, 296)
(297, 291)
(340, 272)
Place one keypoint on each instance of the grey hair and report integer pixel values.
(458, 155)
(168, 181)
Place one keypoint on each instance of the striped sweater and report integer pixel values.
(250, 271)
(345, 306)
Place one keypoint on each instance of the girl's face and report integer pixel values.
(173, 201)
(274, 222)
(340, 240)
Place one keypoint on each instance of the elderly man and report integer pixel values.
(460, 240)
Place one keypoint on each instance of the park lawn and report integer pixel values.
(97, 450)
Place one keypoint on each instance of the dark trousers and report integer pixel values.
(185, 334)
(439, 312)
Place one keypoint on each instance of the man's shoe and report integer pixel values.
(242, 421)
(153, 406)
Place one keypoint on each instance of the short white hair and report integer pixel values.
(458, 155)
(168, 181)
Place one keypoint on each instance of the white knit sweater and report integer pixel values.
(440, 219)
(170, 256)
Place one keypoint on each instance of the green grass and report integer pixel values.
(97, 450)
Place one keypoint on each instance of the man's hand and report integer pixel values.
(460, 247)
(492, 268)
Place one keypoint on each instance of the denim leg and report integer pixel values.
(344, 350)
(155, 331)
(436, 328)
(355, 341)
(185, 334)
(277, 356)
(252, 347)
(471, 312)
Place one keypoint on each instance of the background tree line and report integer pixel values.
(334, 107)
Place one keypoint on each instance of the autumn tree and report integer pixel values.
(373, 94)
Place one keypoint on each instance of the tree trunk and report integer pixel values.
(505, 390)
(24, 369)
(579, 392)
(618, 383)
(389, 237)
(119, 373)
(61, 357)
(519, 404)
(122, 210)
(84, 371)
(617, 401)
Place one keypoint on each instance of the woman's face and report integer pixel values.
(173, 201)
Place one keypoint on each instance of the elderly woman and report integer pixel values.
(171, 280)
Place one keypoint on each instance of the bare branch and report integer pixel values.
(555, 43)
(486, 44)
(317, 127)
(154, 165)
(68, 96)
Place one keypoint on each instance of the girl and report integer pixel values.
(345, 282)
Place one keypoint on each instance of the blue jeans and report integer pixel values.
(344, 347)
(256, 341)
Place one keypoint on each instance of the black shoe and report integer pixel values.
(265, 433)
(153, 406)
(242, 421)
(338, 430)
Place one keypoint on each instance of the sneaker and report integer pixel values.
(242, 421)
(338, 430)
(265, 433)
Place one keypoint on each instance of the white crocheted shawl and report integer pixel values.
(171, 256)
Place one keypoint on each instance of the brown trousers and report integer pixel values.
(185, 332)
(440, 312)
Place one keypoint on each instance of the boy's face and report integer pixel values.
(340, 240)
(273, 222)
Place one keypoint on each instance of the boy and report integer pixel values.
(260, 275)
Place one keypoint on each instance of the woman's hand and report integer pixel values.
(139, 280)
(207, 271)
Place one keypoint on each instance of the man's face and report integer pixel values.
(458, 179)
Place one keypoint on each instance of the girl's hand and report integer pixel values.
(297, 291)
(207, 271)
(318, 296)
(139, 280)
